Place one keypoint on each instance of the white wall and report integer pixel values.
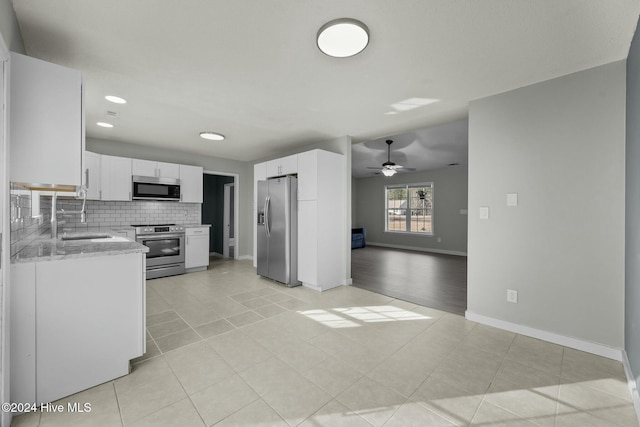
(560, 145)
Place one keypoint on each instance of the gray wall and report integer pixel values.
(560, 145)
(9, 27)
(449, 197)
(244, 186)
(632, 216)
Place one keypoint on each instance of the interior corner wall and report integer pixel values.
(560, 145)
(632, 215)
(449, 198)
(9, 27)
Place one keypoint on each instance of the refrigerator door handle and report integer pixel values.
(267, 205)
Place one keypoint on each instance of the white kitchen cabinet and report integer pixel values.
(259, 174)
(46, 123)
(191, 184)
(92, 175)
(283, 166)
(156, 169)
(196, 248)
(321, 221)
(116, 178)
(144, 167)
(83, 321)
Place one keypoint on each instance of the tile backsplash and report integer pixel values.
(118, 214)
(31, 214)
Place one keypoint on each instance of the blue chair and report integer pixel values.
(358, 238)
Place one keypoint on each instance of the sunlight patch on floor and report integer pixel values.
(341, 317)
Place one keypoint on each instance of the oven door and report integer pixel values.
(163, 249)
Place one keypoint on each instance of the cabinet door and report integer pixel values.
(168, 170)
(283, 166)
(197, 248)
(23, 332)
(308, 175)
(144, 167)
(92, 175)
(308, 242)
(191, 184)
(46, 122)
(116, 178)
(89, 322)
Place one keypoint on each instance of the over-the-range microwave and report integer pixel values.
(153, 188)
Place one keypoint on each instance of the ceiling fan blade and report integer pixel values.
(376, 167)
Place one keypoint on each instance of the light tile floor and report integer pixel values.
(228, 348)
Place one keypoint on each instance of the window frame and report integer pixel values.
(408, 209)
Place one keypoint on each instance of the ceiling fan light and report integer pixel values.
(343, 37)
(388, 172)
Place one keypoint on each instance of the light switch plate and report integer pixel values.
(484, 212)
(512, 199)
(463, 211)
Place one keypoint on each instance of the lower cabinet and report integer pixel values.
(79, 322)
(196, 248)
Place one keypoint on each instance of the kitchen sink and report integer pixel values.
(84, 236)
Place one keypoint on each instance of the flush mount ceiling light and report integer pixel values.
(212, 136)
(105, 124)
(115, 99)
(343, 37)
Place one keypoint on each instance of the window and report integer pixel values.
(409, 208)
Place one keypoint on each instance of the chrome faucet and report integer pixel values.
(55, 211)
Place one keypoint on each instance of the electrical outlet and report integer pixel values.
(439, 239)
(512, 296)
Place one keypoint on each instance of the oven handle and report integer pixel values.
(158, 236)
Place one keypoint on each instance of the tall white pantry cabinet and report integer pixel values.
(321, 215)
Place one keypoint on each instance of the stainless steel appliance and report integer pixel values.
(277, 218)
(153, 188)
(166, 248)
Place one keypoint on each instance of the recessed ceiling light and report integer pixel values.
(212, 136)
(105, 124)
(343, 37)
(115, 99)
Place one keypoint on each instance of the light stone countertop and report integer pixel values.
(44, 248)
(195, 225)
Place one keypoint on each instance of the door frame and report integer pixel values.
(236, 206)
(227, 241)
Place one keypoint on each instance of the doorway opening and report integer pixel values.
(220, 209)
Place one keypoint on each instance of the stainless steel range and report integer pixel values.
(166, 248)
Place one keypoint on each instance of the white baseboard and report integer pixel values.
(578, 344)
(347, 282)
(633, 385)
(245, 257)
(413, 248)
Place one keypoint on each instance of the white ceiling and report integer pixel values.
(250, 69)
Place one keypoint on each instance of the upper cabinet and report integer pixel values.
(191, 184)
(157, 169)
(283, 166)
(116, 178)
(46, 123)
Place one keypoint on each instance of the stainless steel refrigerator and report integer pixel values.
(277, 240)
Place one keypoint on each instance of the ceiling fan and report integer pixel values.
(389, 168)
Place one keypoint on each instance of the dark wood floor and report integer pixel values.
(431, 280)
